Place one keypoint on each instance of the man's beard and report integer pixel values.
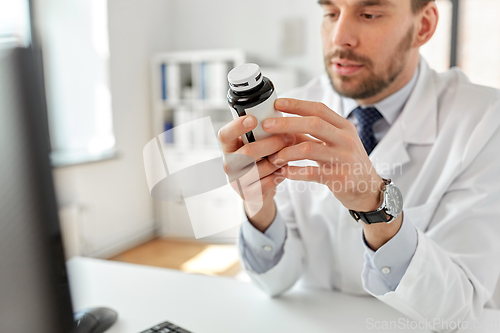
(374, 83)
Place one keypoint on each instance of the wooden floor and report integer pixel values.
(188, 256)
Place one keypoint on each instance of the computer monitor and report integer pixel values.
(34, 293)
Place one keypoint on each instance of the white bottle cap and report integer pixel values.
(244, 77)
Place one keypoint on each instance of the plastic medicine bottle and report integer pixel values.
(251, 93)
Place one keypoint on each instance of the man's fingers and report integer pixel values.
(264, 168)
(306, 151)
(299, 138)
(229, 134)
(308, 173)
(256, 191)
(307, 108)
(267, 146)
(269, 183)
(313, 125)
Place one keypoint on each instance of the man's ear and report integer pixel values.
(428, 18)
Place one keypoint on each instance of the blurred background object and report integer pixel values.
(33, 282)
(15, 28)
(120, 72)
(478, 47)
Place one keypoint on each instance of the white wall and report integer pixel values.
(479, 51)
(119, 209)
(257, 26)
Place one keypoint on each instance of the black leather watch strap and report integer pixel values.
(377, 216)
(371, 217)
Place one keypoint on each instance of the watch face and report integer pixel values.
(394, 200)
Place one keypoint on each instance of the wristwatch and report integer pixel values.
(391, 208)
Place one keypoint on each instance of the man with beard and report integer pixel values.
(383, 179)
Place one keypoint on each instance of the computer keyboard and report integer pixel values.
(166, 327)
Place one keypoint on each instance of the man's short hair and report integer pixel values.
(417, 5)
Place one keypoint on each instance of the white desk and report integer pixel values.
(144, 296)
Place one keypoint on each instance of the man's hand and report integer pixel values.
(343, 164)
(231, 142)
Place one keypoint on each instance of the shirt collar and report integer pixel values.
(390, 107)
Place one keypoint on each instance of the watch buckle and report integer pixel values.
(354, 215)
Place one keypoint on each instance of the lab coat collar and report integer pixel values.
(417, 120)
(417, 123)
(390, 107)
(419, 117)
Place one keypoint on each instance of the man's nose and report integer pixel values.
(344, 33)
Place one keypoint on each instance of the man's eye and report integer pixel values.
(370, 16)
(331, 15)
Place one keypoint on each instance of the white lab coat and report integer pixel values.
(442, 152)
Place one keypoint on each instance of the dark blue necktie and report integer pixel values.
(366, 118)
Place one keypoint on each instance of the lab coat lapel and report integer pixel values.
(417, 124)
(330, 98)
(419, 117)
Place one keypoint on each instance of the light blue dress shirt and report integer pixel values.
(262, 251)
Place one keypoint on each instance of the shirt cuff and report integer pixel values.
(262, 251)
(392, 259)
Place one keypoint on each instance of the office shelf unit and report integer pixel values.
(189, 85)
(194, 81)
